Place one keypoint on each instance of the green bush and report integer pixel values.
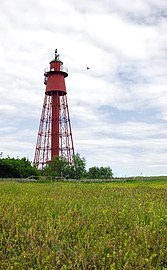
(16, 168)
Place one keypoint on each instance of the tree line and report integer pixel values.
(16, 168)
(58, 167)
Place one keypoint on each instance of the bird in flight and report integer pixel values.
(87, 68)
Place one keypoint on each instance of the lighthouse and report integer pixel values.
(55, 134)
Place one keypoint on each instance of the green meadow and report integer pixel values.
(83, 225)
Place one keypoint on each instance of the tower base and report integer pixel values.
(55, 135)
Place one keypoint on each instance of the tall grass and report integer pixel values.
(83, 226)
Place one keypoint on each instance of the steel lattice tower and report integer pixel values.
(55, 134)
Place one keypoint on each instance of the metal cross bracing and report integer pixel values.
(44, 141)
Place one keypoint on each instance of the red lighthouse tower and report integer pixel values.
(55, 134)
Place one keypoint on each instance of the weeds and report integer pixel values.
(83, 226)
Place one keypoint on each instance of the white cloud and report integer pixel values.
(118, 107)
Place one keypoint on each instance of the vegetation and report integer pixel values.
(83, 225)
(17, 168)
(100, 173)
(59, 167)
(79, 167)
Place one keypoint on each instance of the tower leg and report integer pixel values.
(66, 140)
(43, 145)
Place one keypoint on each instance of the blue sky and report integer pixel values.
(118, 107)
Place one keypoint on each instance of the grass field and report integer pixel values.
(83, 225)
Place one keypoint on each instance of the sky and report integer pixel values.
(118, 108)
